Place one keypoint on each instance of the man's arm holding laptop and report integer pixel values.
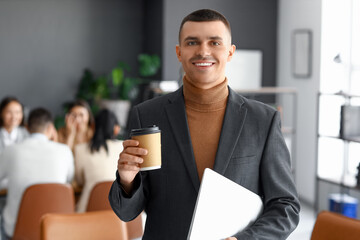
(281, 204)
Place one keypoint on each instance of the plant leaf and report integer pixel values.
(117, 76)
(124, 66)
(148, 64)
(101, 88)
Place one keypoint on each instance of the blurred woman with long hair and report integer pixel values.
(79, 124)
(95, 161)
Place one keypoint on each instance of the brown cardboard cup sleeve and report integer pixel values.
(150, 139)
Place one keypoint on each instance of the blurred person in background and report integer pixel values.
(33, 161)
(79, 124)
(12, 128)
(95, 161)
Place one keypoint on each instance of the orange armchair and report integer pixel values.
(334, 226)
(38, 200)
(98, 200)
(96, 225)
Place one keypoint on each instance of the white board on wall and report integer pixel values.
(244, 70)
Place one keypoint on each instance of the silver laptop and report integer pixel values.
(223, 208)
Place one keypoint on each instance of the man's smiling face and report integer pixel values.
(204, 49)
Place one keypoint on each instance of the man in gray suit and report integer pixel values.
(206, 124)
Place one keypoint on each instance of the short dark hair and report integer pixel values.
(39, 118)
(6, 101)
(205, 15)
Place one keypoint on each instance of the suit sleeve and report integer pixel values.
(127, 206)
(281, 205)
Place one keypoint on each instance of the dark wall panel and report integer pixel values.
(153, 29)
(46, 44)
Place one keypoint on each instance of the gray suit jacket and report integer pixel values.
(251, 152)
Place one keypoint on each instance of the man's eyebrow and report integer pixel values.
(215, 38)
(191, 38)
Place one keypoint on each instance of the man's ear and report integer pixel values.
(231, 52)
(178, 52)
(50, 132)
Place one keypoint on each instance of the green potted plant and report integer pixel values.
(116, 89)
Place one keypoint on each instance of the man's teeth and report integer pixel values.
(203, 64)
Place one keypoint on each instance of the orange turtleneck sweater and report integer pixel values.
(205, 109)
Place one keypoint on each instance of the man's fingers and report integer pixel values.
(130, 143)
(131, 157)
(132, 147)
(125, 158)
(135, 151)
(129, 166)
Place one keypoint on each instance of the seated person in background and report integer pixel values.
(95, 161)
(35, 160)
(79, 125)
(11, 122)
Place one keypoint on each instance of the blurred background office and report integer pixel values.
(53, 52)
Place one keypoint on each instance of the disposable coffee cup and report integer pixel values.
(150, 139)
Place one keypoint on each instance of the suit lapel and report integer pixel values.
(234, 118)
(177, 117)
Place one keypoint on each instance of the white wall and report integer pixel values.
(301, 14)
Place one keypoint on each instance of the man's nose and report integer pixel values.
(203, 50)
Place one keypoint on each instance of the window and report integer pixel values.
(339, 73)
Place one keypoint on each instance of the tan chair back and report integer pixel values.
(38, 200)
(98, 225)
(334, 226)
(99, 200)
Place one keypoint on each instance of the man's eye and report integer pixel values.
(191, 43)
(216, 43)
